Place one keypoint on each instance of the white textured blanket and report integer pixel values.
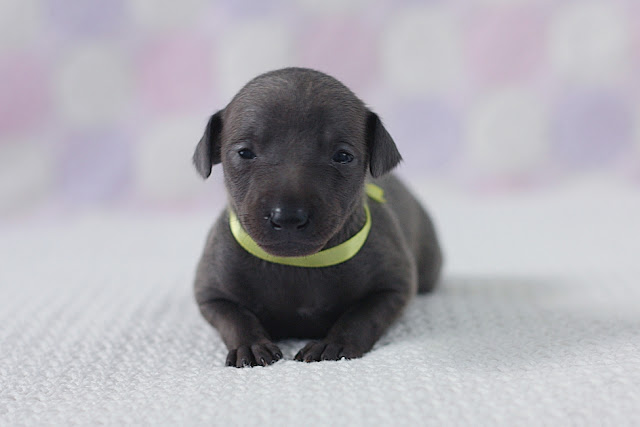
(536, 322)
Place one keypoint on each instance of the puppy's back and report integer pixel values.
(417, 228)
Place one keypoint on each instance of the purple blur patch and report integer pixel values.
(591, 129)
(95, 166)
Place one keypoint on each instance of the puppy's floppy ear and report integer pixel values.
(207, 151)
(383, 153)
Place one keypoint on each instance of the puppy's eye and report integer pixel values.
(342, 157)
(247, 154)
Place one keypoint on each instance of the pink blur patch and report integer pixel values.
(175, 74)
(345, 49)
(24, 93)
(506, 43)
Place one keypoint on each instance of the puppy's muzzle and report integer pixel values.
(286, 218)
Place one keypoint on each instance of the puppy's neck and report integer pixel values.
(351, 227)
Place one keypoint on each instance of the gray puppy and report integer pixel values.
(316, 242)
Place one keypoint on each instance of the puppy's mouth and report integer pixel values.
(280, 238)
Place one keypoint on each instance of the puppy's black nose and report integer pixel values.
(289, 219)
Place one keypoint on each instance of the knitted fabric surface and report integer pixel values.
(536, 321)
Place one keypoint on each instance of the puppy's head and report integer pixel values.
(295, 146)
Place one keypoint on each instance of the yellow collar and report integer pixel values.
(325, 258)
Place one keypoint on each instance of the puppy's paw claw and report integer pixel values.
(262, 354)
(316, 351)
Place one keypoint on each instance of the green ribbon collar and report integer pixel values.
(325, 258)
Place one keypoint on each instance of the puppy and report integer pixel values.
(318, 240)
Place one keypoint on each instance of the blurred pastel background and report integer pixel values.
(102, 102)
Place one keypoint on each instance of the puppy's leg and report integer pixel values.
(358, 329)
(246, 339)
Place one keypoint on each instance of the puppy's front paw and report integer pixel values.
(316, 351)
(263, 354)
